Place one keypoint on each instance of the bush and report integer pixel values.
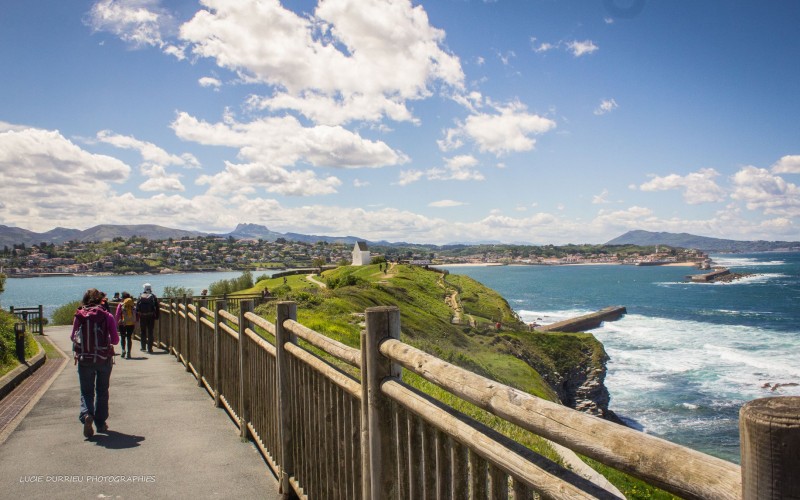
(223, 287)
(8, 345)
(177, 292)
(64, 314)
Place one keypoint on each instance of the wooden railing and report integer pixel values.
(329, 434)
(31, 316)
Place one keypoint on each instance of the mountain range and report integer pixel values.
(685, 240)
(10, 236)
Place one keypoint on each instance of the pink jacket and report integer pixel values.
(113, 335)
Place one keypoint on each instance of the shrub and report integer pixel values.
(8, 347)
(177, 291)
(64, 314)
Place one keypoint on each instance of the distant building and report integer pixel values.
(361, 254)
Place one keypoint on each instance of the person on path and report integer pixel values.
(126, 319)
(147, 315)
(94, 334)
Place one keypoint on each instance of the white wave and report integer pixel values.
(745, 262)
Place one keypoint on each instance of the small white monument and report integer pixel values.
(361, 254)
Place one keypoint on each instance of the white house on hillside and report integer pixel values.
(361, 254)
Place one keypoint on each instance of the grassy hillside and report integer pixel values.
(455, 318)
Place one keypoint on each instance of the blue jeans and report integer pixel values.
(94, 378)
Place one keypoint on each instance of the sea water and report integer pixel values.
(55, 291)
(687, 356)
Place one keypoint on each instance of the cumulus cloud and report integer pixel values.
(789, 164)
(407, 177)
(581, 48)
(245, 177)
(508, 129)
(698, 187)
(457, 168)
(606, 106)
(348, 60)
(601, 199)
(284, 141)
(149, 151)
(761, 190)
(208, 81)
(140, 23)
(49, 178)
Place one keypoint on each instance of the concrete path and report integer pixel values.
(165, 440)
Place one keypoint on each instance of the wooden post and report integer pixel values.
(187, 354)
(41, 320)
(173, 328)
(365, 482)
(382, 323)
(769, 430)
(199, 332)
(218, 305)
(245, 306)
(286, 310)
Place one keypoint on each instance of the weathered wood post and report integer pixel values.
(174, 317)
(286, 310)
(41, 320)
(769, 430)
(245, 306)
(201, 365)
(218, 305)
(187, 353)
(382, 323)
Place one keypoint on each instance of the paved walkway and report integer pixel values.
(165, 440)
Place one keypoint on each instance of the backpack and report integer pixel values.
(146, 305)
(90, 339)
(128, 314)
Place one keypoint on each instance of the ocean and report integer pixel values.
(687, 356)
(52, 292)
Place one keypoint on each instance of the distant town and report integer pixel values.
(137, 255)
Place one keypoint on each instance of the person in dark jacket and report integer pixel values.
(147, 315)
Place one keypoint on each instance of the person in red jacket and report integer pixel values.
(94, 334)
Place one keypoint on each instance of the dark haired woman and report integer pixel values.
(94, 334)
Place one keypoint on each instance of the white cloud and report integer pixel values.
(140, 23)
(579, 48)
(149, 151)
(46, 178)
(601, 199)
(409, 176)
(367, 57)
(760, 190)
(359, 183)
(789, 164)
(510, 129)
(576, 47)
(284, 141)
(445, 204)
(208, 81)
(245, 177)
(457, 168)
(606, 106)
(698, 187)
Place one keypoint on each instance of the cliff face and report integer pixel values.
(573, 365)
(584, 390)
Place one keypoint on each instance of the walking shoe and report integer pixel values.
(129, 354)
(123, 354)
(87, 426)
(102, 428)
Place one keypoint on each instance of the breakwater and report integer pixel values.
(585, 322)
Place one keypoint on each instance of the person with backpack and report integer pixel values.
(126, 319)
(94, 334)
(147, 314)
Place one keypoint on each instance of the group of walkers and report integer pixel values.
(95, 332)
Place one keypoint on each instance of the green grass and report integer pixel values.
(513, 356)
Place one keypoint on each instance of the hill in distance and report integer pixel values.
(706, 244)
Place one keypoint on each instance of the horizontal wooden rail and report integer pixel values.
(679, 470)
(228, 316)
(516, 461)
(261, 322)
(335, 376)
(340, 351)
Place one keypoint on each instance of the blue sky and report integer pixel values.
(443, 121)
